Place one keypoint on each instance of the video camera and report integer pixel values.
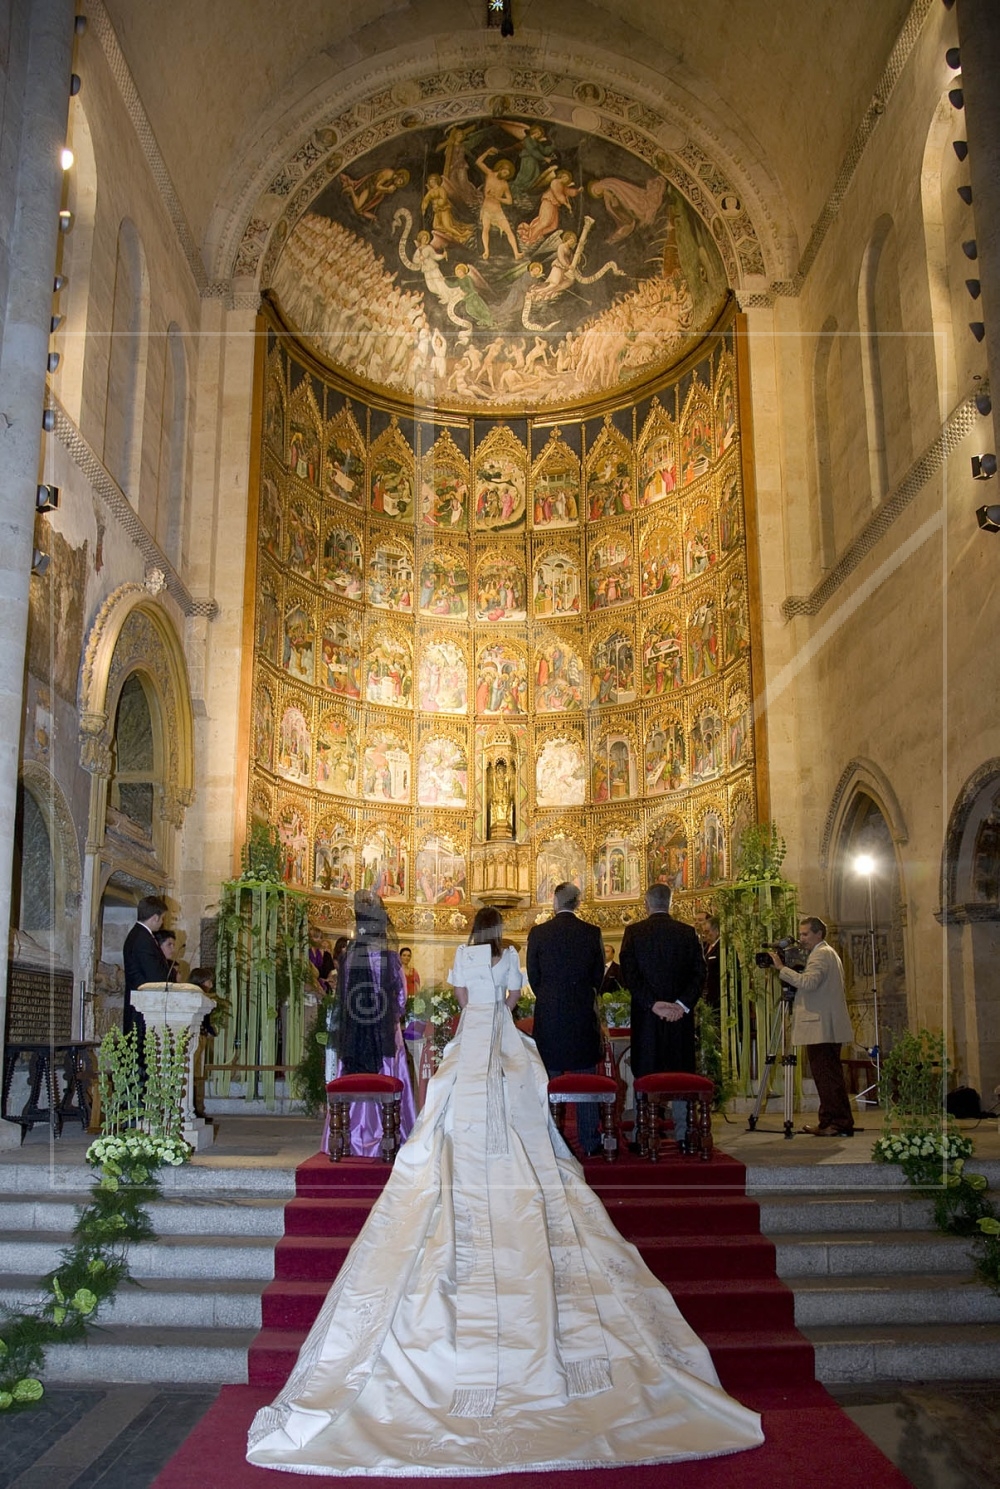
(789, 953)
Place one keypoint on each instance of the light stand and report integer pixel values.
(865, 864)
(789, 1060)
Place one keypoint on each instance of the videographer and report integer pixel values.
(820, 1020)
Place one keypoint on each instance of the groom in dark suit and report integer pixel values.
(144, 961)
(565, 958)
(664, 970)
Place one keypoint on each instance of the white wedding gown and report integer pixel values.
(489, 1318)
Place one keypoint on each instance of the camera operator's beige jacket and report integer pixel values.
(819, 1014)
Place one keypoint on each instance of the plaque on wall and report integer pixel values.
(39, 1005)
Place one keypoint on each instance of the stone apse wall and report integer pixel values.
(493, 653)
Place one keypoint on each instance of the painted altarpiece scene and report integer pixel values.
(560, 776)
(444, 486)
(666, 757)
(390, 576)
(501, 588)
(341, 570)
(559, 674)
(609, 476)
(442, 772)
(501, 482)
(667, 854)
(439, 873)
(612, 669)
(391, 482)
(561, 859)
(616, 867)
(293, 842)
(662, 657)
(334, 858)
(336, 755)
(556, 584)
(385, 767)
(385, 862)
(444, 585)
(294, 760)
(660, 568)
(389, 673)
(344, 463)
(555, 486)
(612, 769)
(443, 676)
(657, 466)
(340, 661)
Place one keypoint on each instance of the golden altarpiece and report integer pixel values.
(493, 654)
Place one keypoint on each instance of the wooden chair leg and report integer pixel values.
(641, 1120)
(390, 1135)
(338, 1124)
(608, 1129)
(705, 1127)
(653, 1121)
(558, 1110)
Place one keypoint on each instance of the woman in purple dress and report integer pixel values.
(371, 1000)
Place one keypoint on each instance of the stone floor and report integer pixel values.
(941, 1436)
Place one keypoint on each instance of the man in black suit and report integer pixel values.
(713, 965)
(143, 959)
(664, 971)
(565, 958)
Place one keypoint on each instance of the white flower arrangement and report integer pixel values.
(939, 1145)
(136, 1149)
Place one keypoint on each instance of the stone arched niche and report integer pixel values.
(47, 865)
(868, 910)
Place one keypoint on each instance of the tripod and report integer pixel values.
(789, 1060)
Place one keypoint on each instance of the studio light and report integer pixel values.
(956, 98)
(46, 497)
(65, 220)
(55, 322)
(66, 158)
(52, 361)
(865, 865)
(59, 283)
(75, 85)
(80, 25)
(39, 562)
(953, 57)
(970, 249)
(984, 467)
(974, 287)
(989, 519)
(984, 403)
(48, 422)
(961, 148)
(978, 329)
(965, 192)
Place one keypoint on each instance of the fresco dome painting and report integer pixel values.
(500, 262)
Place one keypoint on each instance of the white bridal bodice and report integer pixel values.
(489, 1318)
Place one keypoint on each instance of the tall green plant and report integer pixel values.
(914, 1079)
(262, 968)
(756, 909)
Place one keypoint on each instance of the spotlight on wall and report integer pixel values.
(961, 148)
(65, 220)
(974, 287)
(970, 248)
(48, 422)
(984, 403)
(953, 57)
(46, 497)
(66, 158)
(989, 519)
(75, 85)
(984, 467)
(965, 192)
(956, 98)
(80, 25)
(52, 361)
(39, 562)
(978, 329)
(55, 322)
(59, 283)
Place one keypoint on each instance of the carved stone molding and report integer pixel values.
(954, 910)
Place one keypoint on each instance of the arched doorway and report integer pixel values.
(970, 909)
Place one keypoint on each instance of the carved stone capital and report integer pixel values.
(95, 744)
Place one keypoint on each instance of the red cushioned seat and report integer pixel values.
(653, 1092)
(669, 1082)
(344, 1091)
(590, 1085)
(348, 1084)
(577, 1089)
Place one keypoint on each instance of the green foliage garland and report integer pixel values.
(756, 909)
(262, 969)
(138, 1139)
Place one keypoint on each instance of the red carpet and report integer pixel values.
(697, 1231)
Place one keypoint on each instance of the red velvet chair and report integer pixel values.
(654, 1093)
(567, 1090)
(341, 1095)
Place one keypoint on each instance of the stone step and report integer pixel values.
(201, 1176)
(875, 1213)
(905, 1352)
(850, 1178)
(163, 1302)
(846, 1254)
(172, 1256)
(133, 1355)
(223, 1213)
(945, 1299)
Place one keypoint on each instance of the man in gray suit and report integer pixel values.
(821, 1021)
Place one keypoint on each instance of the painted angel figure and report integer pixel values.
(367, 193)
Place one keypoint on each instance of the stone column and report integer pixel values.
(979, 44)
(36, 107)
(174, 1007)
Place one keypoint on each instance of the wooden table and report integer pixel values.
(71, 1105)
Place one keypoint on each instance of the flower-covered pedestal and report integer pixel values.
(173, 1008)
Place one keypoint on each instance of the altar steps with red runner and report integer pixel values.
(694, 1226)
(724, 1283)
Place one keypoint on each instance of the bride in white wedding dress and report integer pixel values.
(489, 1318)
